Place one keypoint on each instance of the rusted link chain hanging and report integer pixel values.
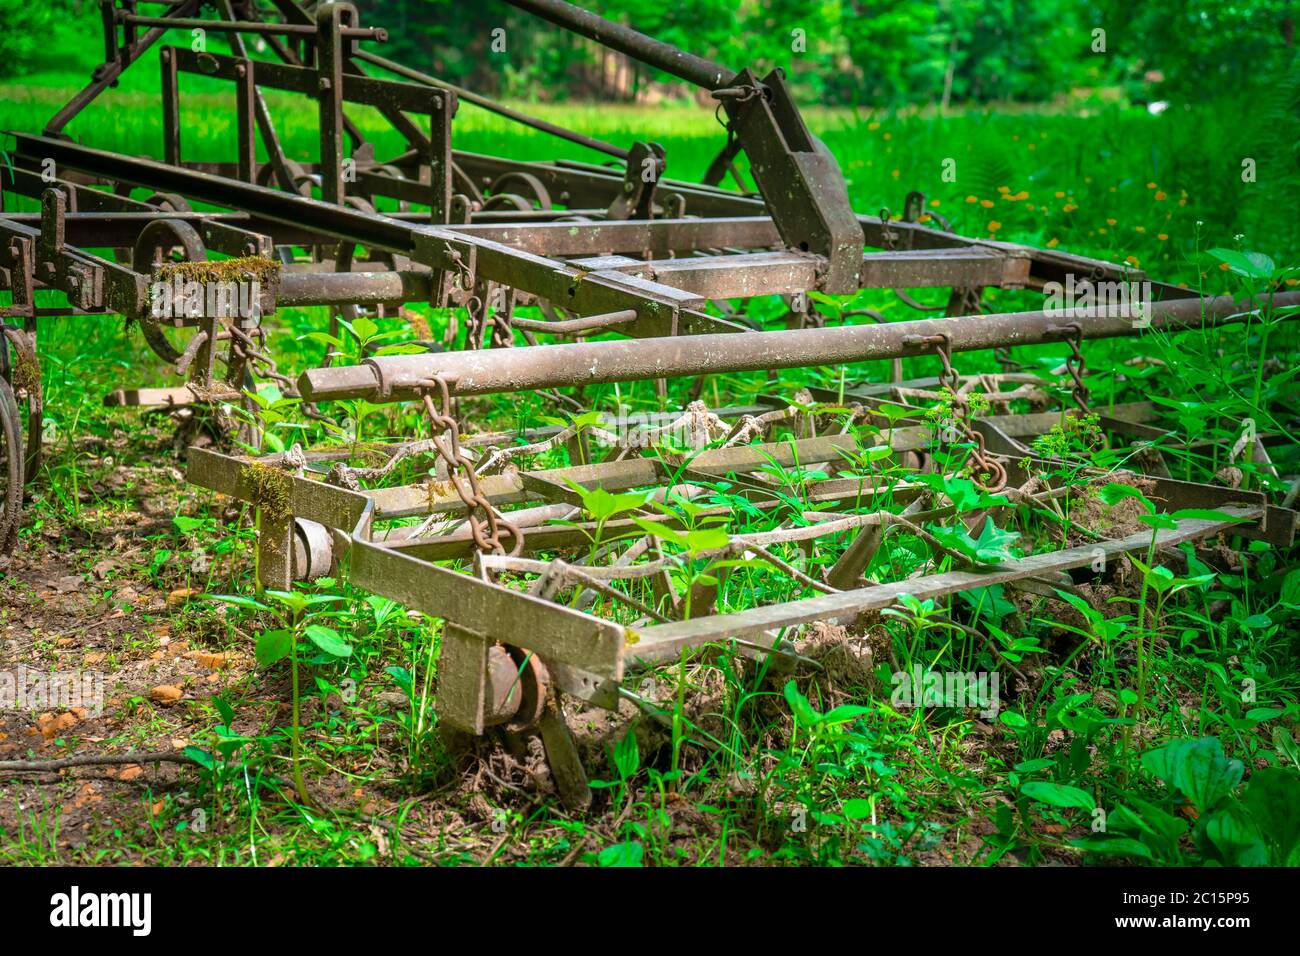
(986, 471)
(485, 529)
(1076, 365)
(246, 354)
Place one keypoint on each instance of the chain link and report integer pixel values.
(1077, 366)
(246, 353)
(486, 529)
(245, 348)
(888, 238)
(986, 471)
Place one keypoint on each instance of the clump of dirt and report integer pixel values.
(1229, 475)
(596, 730)
(1222, 557)
(1119, 520)
(848, 659)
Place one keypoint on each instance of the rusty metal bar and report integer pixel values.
(652, 52)
(107, 73)
(355, 288)
(492, 106)
(378, 34)
(661, 310)
(664, 641)
(398, 377)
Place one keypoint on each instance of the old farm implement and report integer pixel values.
(559, 596)
(620, 248)
(569, 593)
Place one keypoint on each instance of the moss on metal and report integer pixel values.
(270, 489)
(241, 269)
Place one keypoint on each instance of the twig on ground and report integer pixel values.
(93, 760)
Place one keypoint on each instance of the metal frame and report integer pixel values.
(599, 250)
(508, 245)
(365, 533)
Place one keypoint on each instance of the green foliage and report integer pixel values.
(1257, 826)
(299, 615)
(880, 54)
(993, 546)
(26, 30)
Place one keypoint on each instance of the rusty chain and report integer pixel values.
(502, 331)
(986, 471)
(244, 347)
(246, 351)
(888, 238)
(486, 530)
(1076, 365)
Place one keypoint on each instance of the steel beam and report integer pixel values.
(399, 377)
(665, 641)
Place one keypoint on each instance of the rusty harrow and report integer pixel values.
(628, 557)
(596, 248)
(563, 598)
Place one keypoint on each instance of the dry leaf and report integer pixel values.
(86, 795)
(102, 569)
(68, 583)
(209, 659)
(51, 726)
(166, 694)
